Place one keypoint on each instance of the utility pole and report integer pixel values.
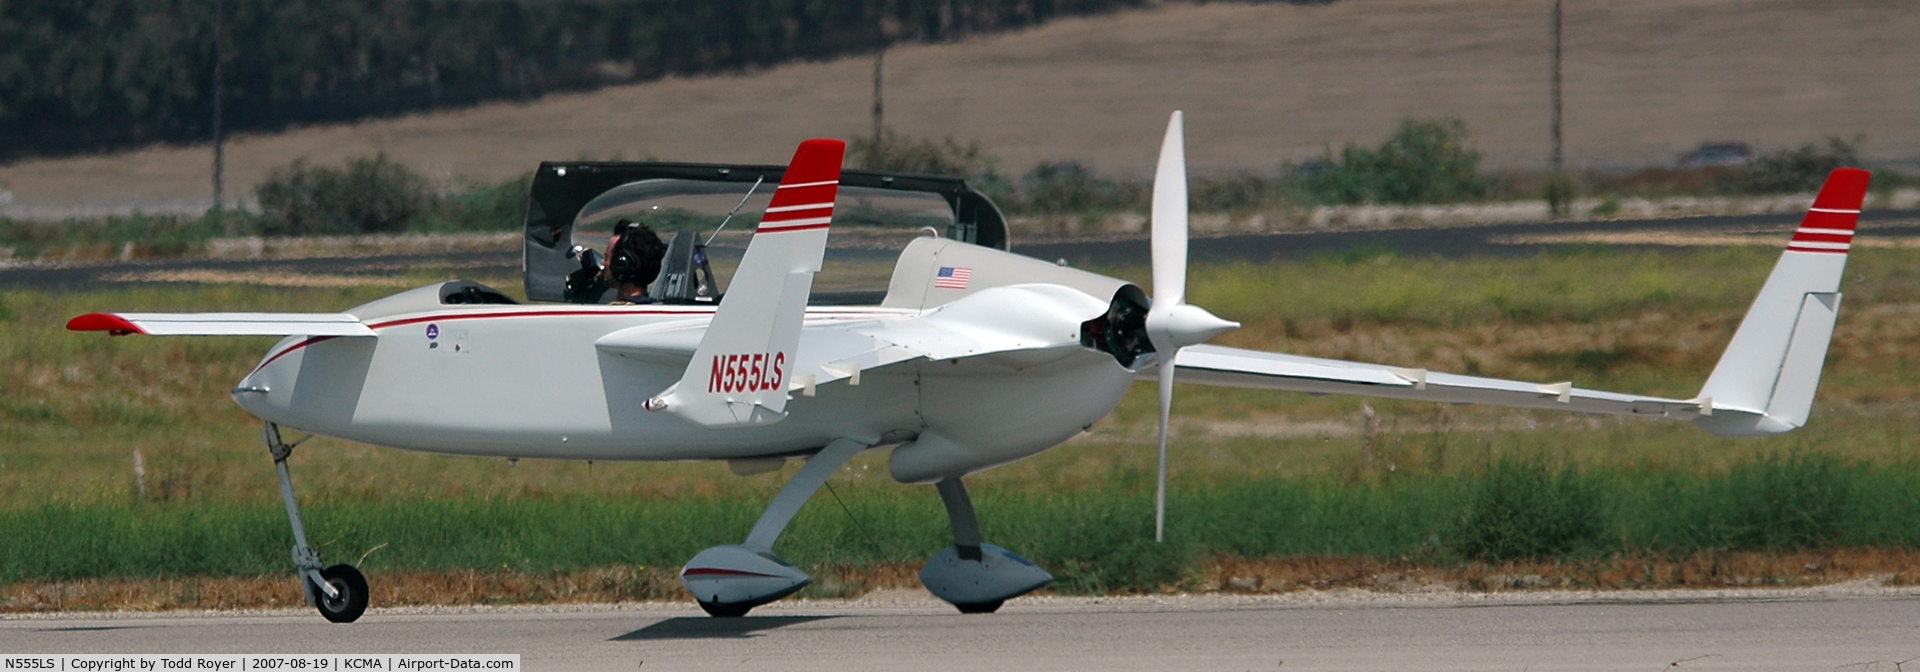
(879, 63)
(879, 111)
(219, 138)
(1558, 160)
(1559, 187)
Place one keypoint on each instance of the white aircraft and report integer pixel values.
(974, 358)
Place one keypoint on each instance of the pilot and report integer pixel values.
(633, 261)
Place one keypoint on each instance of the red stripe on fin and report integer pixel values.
(1804, 237)
(803, 213)
(1829, 220)
(814, 162)
(1846, 189)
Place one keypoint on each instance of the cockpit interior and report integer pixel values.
(649, 232)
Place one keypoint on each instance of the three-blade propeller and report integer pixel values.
(1171, 323)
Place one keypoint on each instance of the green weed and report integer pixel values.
(1527, 510)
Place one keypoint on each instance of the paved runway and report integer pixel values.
(1836, 628)
(1512, 239)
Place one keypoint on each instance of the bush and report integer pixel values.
(1520, 510)
(1071, 187)
(893, 152)
(1426, 161)
(1796, 170)
(369, 195)
(1240, 192)
(1559, 193)
(481, 207)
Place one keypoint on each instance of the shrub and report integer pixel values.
(480, 207)
(1240, 192)
(894, 152)
(1425, 161)
(1071, 187)
(1520, 510)
(946, 156)
(1559, 193)
(1796, 170)
(369, 195)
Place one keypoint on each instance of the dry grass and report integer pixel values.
(1701, 570)
(1261, 83)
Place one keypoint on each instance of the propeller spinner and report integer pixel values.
(1171, 323)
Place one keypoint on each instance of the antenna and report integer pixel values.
(735, 211)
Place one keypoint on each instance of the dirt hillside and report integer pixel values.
(1645, 80)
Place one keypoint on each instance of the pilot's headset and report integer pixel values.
(635, 258)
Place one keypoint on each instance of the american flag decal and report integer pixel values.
(952, 277)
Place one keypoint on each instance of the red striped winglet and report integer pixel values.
(804, 200)
(1828, 227)
(107, 322)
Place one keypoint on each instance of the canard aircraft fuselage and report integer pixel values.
(572, 382)
(975, 357)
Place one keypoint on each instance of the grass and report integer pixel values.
(1257, 474)
(1096, 539)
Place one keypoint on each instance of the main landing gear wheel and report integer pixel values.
(352, 588)
(973, 576)
(718, 610)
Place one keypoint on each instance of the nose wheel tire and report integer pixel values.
(352, 588)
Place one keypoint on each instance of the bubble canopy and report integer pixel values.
(574, 206)
(673, 205)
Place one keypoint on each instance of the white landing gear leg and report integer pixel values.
(976, 577)
(339, 592)
(731, 580)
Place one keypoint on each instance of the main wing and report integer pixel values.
(221, 324)
(1235, 367)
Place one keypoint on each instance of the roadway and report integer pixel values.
(1085, 250)
(1846, 627)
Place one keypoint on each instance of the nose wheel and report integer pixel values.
(349, 598)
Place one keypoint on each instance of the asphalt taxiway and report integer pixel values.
(1844, 627)
(1497, 240)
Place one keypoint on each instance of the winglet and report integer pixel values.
(107, 322)
(739, 374)
(1765, 380)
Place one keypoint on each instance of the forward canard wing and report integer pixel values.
(740, 372)
(1764, 383)
(221, 324)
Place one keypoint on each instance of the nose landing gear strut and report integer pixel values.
(339, 592)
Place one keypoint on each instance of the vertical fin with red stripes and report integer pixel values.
(740, 373)
(1765, 380)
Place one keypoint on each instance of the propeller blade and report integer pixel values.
(1170, 220)
(1169, 285)
(1160, 495)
